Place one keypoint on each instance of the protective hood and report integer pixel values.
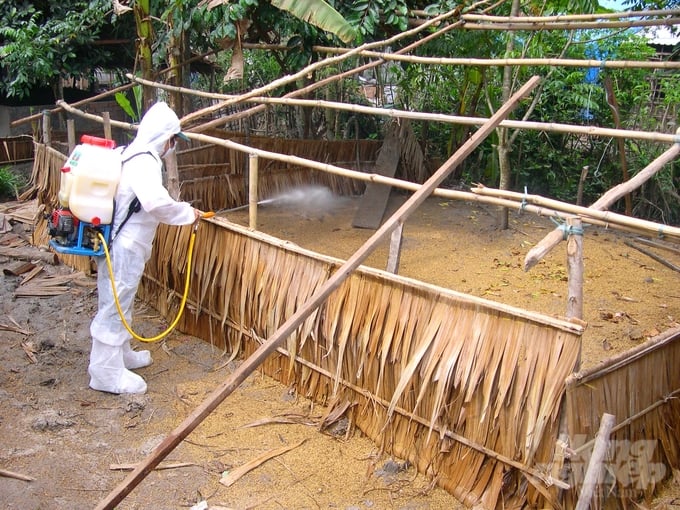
(158, 125)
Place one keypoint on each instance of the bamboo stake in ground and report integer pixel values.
(172, 172)
(71, 134)
(595, 465)
(253, 164)
(553, 238)
(575, 273)
(395, 249)
(290, 325)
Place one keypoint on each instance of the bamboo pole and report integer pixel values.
(436, 117)
(658, 245)
(172, 172)
(395, 249)
(46, 128)
(595, 465)
(588, 214)
(111, 92)
(553, 239)
(290, 325)
(575, 275)
(107, 125)
(495, 62)
(600, 218)
(252, 190)
(71, 134)
(575, 269)
(653, 256)
(571, 17)
(586, 25)
(71, 109)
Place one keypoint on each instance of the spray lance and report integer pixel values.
(245, 206)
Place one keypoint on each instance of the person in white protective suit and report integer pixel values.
(112, 359)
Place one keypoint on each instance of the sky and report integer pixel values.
(613, 4)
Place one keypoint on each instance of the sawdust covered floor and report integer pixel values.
(67, 437)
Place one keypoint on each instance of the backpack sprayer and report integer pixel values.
(89, 180)
(82, 223)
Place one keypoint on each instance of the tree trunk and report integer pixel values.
(503, 148)
(144, 41)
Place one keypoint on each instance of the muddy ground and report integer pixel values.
(75, 444)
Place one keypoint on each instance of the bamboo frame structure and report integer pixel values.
(473, 419)
(435, 117)
(533, 203)
(310, 306)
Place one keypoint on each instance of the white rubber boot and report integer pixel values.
(108, 373)
(135, 359)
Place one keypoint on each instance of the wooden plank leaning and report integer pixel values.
(604, 202)
(232, 382)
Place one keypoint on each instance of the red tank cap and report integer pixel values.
(96, 221)
(100, 142)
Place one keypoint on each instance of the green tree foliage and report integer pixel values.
(41, 42)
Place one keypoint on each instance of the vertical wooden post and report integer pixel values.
(71, 133)
(592, 476)
(46, 128)
(395, 248)
(575, 273)
(107, 125)
(574, 310)
(172, 174)
(253, 163)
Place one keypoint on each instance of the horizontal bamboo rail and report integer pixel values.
(540, 206)
(494, 62)
(604, 216)
(586, 25)
(571, 17)
(435, 117)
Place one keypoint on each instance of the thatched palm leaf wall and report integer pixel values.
(417, 366)
(469, 390)
(641, 388)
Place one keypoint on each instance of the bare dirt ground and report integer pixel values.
(73, 441)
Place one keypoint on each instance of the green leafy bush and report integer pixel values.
(10, 183)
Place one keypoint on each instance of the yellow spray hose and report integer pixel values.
(165, 333)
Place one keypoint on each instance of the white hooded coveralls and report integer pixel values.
(141, 176)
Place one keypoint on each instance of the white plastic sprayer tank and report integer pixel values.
(89, 180)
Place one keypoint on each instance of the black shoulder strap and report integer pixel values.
(134, 207)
